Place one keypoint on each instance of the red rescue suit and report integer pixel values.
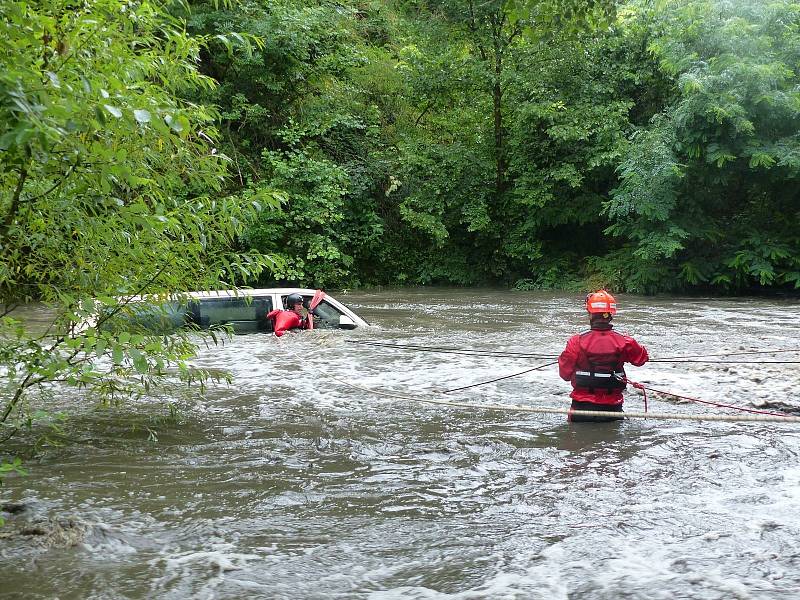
(593, 362)
(284, 320)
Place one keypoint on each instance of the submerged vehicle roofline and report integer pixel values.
(273, 294)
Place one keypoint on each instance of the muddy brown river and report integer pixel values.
(307, 479)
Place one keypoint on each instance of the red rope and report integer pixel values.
(718, 404)
(639, 386)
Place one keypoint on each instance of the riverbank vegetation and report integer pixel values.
(520, 144)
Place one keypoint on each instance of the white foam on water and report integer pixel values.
(200, 573)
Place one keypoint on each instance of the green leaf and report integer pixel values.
(176, 123)
(139, 361)
(113, 110)
(53, 79)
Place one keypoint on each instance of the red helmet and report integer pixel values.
(601, 302)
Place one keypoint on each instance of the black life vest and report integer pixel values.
(600, 363)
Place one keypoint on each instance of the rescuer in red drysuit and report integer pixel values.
(292, 318)
(593, 361)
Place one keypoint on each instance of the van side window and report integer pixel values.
(244, 314)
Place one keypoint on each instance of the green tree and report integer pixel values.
(708, 191)
(300, 115)
(495, 26)
(521, 123)
(109, 188)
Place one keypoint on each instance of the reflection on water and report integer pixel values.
(290, 484)
(588, 437)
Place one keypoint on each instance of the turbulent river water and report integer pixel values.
(292, 483)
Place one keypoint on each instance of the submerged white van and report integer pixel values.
(243, 310)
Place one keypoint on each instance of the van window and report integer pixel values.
(145, 317)
(244, 314)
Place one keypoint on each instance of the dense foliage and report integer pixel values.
(708, 190)
(642, 145)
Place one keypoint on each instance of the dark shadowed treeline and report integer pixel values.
(530, 144)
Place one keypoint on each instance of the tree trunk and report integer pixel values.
(497, 106)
